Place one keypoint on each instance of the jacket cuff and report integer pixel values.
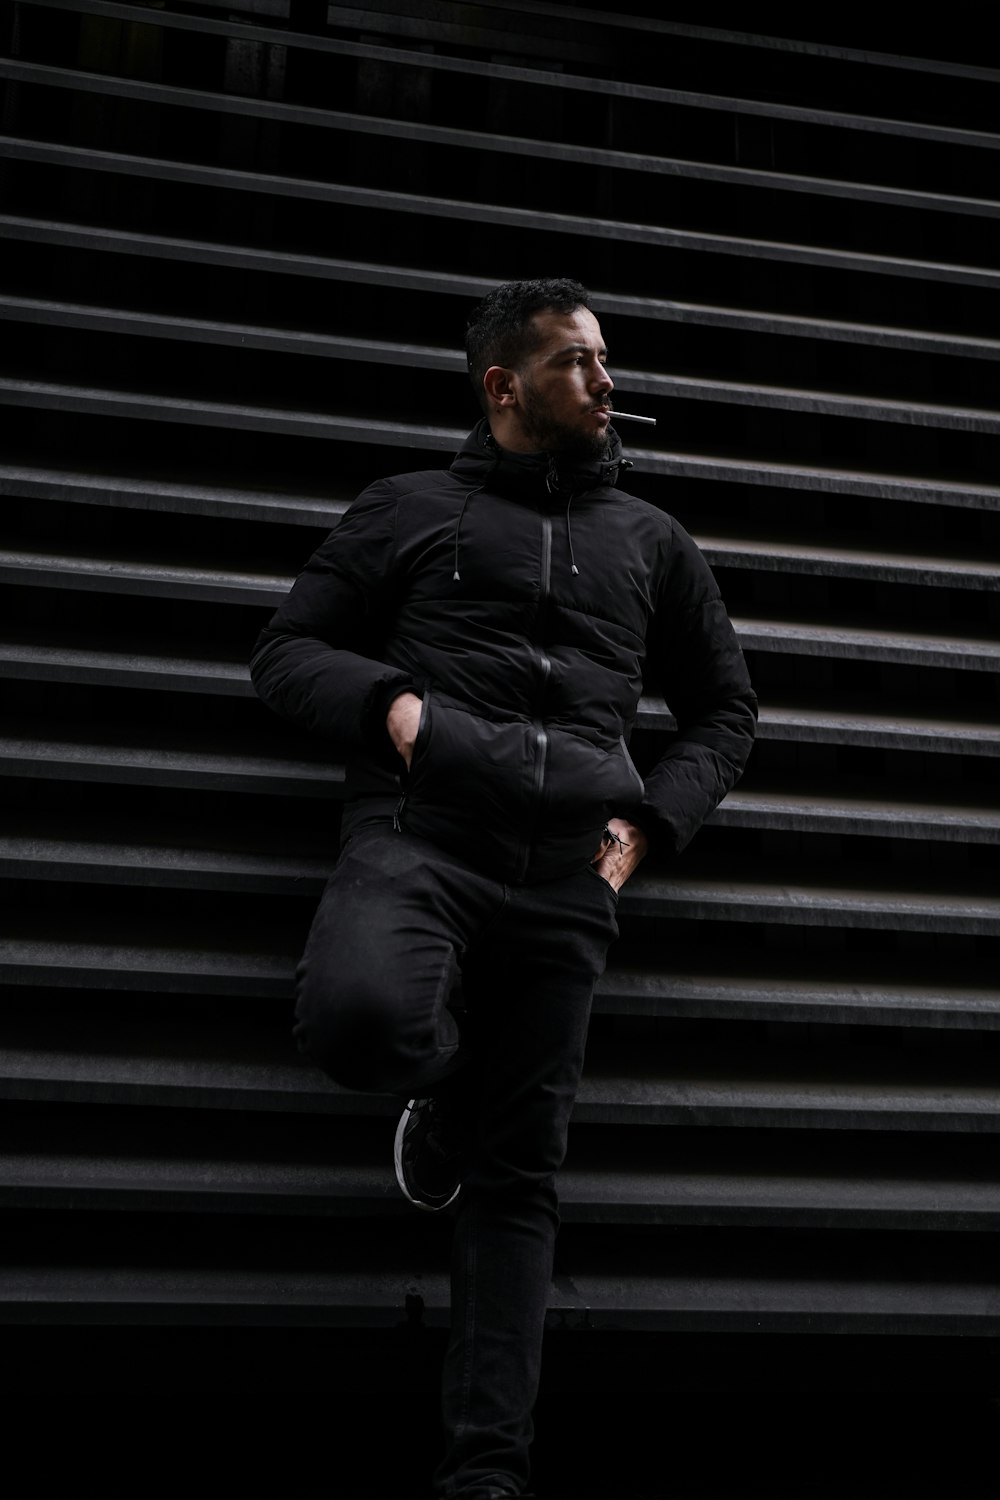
(662, 839)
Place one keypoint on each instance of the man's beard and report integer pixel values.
(551, 436)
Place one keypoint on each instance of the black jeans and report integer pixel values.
(398, 920)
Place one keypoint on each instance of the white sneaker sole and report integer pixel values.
(397, 1161)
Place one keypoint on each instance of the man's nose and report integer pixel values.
(602, 380)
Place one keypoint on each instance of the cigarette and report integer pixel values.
(630, 416)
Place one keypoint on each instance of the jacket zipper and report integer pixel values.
(541, 738)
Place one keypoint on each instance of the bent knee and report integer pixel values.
(357, 1040)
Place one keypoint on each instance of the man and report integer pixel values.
(474, 642)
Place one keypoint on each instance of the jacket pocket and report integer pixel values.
(470, 779)
(588, 780)
(423, 725)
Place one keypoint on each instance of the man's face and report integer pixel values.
(563, 387)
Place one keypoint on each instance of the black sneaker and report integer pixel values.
(428, 1154)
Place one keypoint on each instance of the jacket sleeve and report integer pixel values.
(317, 661)
(696, 660)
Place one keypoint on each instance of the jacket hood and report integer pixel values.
(482, 461)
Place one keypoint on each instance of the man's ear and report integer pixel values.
(498, 384)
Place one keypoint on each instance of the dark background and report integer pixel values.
(238, 251)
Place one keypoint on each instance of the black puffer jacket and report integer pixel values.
(525, 602)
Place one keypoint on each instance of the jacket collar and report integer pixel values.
(482, 461)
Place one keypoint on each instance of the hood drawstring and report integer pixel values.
(552, 485)
(456, 577)
(569, 539)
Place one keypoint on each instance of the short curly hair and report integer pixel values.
(499, 329)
